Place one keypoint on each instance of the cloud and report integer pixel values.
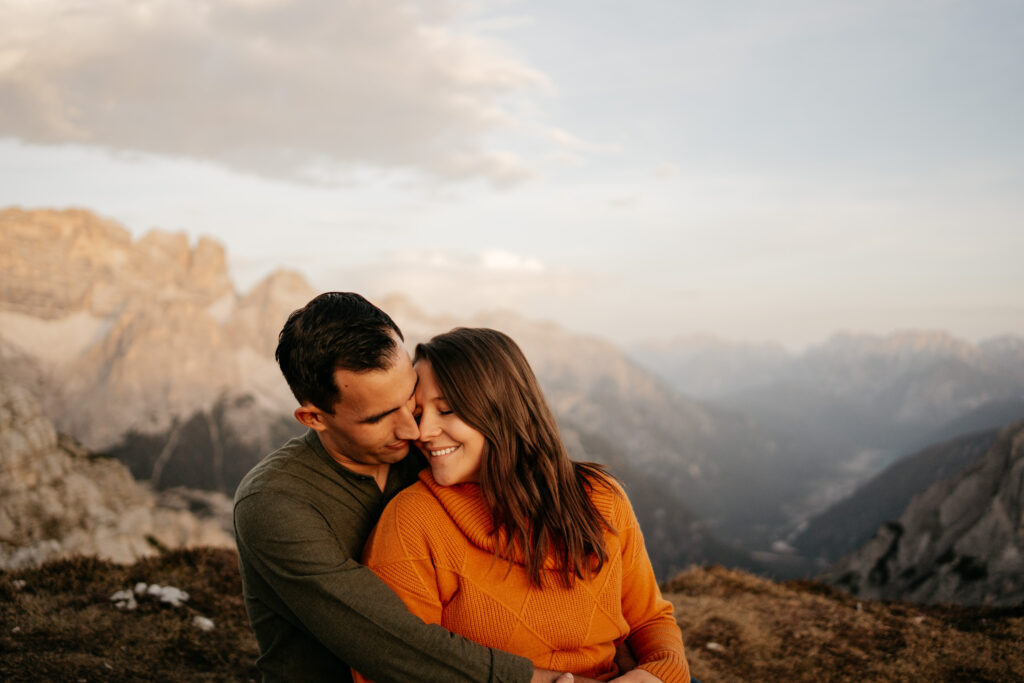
(295, 89)
(463, 283)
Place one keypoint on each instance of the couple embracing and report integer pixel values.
(482, 554)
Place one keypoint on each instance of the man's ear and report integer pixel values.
(310, 416)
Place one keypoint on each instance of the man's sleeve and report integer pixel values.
(348, 609)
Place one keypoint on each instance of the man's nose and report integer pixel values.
(407, 427)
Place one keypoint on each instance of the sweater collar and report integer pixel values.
(465, 505)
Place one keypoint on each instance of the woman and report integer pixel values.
(507, 541)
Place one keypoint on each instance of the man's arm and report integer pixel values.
(344, 606)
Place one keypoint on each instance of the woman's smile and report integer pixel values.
(442, 451)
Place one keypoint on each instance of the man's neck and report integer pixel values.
(379, 471)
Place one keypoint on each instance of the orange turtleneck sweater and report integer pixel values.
(433, 546)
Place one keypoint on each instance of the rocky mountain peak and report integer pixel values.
(63, 262)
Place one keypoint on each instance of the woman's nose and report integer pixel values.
(429, 426)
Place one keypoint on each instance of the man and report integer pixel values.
(303, 514)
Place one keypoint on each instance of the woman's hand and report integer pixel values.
(637, 676)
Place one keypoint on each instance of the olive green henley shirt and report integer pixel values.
(301, 521)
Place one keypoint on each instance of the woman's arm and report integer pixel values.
(654, 635)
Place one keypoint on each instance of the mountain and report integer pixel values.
(142, 350)
(858, 401)
(847, 525)
(961, 541)
(114, 335)
(709, 367)
(57, 500)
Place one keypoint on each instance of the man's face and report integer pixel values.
(373, 422)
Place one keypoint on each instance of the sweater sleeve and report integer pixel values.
(347, 608)
(654, 636)
(399, 552)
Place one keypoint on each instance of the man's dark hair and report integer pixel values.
(336, 330)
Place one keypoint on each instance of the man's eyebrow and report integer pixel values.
(380, 416)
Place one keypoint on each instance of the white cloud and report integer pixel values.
(666, 170)
(300, 89)
(496, 259)
(463, 283)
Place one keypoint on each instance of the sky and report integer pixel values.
(758, 171)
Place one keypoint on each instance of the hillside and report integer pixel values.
(961, 540)
(850, 523)
(58, 622)
(58, 500)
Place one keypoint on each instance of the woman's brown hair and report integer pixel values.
(536, 494)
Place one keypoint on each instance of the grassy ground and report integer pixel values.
(57, 623)
(61, 625)
(738, 627)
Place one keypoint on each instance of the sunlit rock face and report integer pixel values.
(115, 335)
(961, 541)
(57, 500)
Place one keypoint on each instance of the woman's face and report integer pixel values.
(454, 450)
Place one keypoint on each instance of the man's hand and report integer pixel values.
(545, 676)
(624, 658)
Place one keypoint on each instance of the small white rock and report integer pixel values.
(202, 623)
(124, 600)
(18, 584)
(140, 588)
(715, 647)
(169, 594)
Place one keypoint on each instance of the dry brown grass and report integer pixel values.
(61, 626)
(806, 631)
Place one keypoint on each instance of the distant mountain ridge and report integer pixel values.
(858, 401)
(904, 383)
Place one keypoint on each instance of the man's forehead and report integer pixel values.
(371, 392)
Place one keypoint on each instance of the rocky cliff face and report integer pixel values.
(962, 540)
(56, 500)
(115, 335)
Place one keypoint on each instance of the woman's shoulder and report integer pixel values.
(413, 501)
(408, 525)
(608, 497)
